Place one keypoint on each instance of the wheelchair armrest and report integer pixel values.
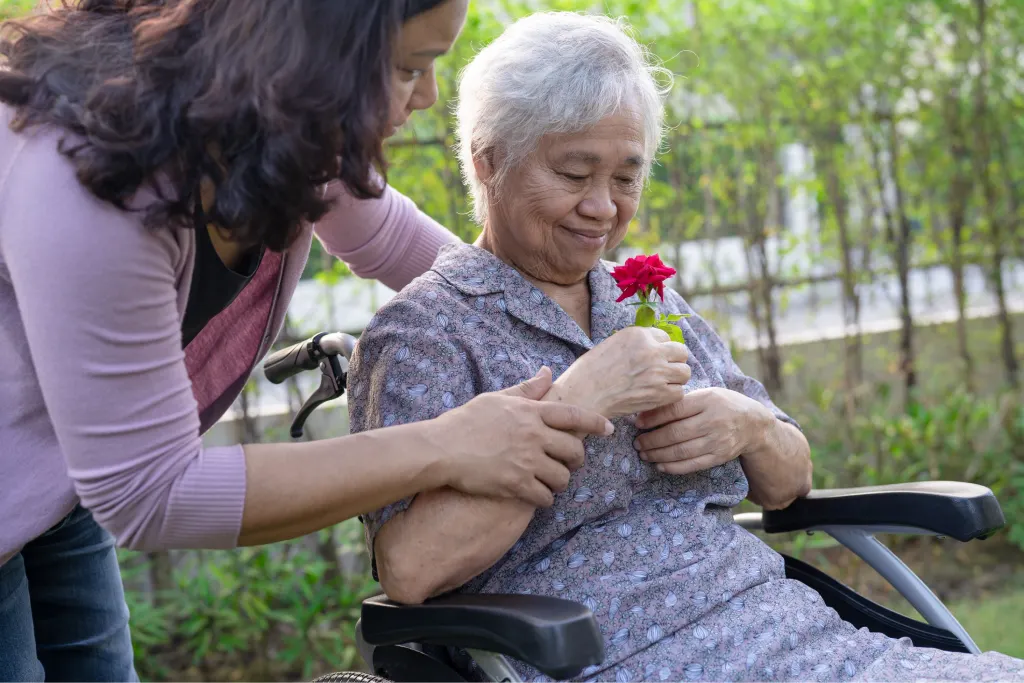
(558, 637)
(947, 508)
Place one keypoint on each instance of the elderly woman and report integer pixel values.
(559, 120)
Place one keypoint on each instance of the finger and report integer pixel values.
(553, 474)
(533, 388)
(661, 416)
(658, 335)
(570, 418)
(565, 448)
(674, 352)
(537, 494)
(686, 450)
(699, 464)
(680, 431)
(678, 373)
(692, 405)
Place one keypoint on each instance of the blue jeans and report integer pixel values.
(63, 615)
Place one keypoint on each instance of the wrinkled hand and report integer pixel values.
(635, 369)
(510, 444)
(707, 427)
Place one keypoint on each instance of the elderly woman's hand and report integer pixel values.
(708, 427)
(635, 369)
(510, 444)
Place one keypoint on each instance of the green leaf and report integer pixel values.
(673, 317)
(673, 331)
(645, 316)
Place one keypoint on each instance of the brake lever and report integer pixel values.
(333, 376)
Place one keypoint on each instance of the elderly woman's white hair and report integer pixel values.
(553, 72)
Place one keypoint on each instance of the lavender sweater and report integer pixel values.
(98, 402)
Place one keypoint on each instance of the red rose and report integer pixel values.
(643, 274)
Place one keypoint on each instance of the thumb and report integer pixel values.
(533, 388)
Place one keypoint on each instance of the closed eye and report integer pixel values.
(575, 178)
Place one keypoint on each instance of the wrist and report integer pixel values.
(565, 391)
(761, 422)
(437, 468)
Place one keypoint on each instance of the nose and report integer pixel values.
(424, 95)
(598, 204)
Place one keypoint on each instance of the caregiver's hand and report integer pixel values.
(707, 427)
(509, 444)
(635, 369)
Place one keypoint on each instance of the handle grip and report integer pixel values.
(290, 361)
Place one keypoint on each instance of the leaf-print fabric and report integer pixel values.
(678, 590)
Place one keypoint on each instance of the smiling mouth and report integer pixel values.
(590, 238)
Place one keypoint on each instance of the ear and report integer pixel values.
(483, 163)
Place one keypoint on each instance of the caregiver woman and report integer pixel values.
(158, 193)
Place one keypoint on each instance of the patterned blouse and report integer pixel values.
(678, 590)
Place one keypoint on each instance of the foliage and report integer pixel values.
(15, 8)
(958, 436)
(279, 612)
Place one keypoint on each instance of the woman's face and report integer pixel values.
(423, 38)
(573, 198)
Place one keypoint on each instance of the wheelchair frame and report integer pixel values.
(560, 638)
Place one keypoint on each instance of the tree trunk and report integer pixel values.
(678, 258)
(740, 204)
(853, 357)
(897, 228)
(1013, 227)
(249, 432)
(957, 266)
(327, 549)
(161, 574)
(982, 126)
(903, 271)
(772, 357)
(759, 268)
(677, 223)
(959, 192)
(867, 244)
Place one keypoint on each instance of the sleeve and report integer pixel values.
(98, 302)
(387, 239)
(718, 352)
(407, 367)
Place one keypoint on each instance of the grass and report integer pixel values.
(995, 624)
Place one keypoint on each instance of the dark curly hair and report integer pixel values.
(267, 100)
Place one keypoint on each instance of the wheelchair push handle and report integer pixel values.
(328, 351)
(307, 355)
(289, 362)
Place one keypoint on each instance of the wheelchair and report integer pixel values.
(560, 638)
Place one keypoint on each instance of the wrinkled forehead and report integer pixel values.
(616, 140)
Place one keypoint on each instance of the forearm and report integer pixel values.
(294, 489)
(778, 465)
(445, 539)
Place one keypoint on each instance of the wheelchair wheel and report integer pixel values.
(350, 677)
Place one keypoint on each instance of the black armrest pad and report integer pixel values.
(948, 508)
(558, 637)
